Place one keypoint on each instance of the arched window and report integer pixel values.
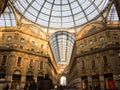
(63, 80)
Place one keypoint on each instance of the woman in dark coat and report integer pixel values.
(6, 87)
(33, 85)
(26, 86)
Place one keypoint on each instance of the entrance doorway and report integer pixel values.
(63, 81)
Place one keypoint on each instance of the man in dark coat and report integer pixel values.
(33, 85)
(6, 87)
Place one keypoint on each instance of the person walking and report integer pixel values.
(26, 86)
(6, 87)
(33, 85)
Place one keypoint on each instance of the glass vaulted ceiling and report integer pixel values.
(62, 43)
(60, 13)
(7, 18)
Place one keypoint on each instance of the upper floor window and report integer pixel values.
(103, 46)
(9, 38)
(81, 45)
(41, 65)
(42, 45)
(4, 60)
(21, 47)
(32, 49)
(93, 63)
(3, 36)
(102, 38)
(108, 34)
(115, 36)
(31, 63)
(22, 40)
(90, 42)
(33, 43)
(83, 65)
(105, 60)
(19, 61)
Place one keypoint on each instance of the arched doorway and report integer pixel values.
(2, 77)
(29, 76)
(63, 81)
(40, 76)
(2, 73)
(16, 79)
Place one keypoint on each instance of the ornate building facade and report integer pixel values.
(31, 51)
(24, 57)
(95, 61)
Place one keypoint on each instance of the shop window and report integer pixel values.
(96, 82)
(40, 76)
(19, 61)
(29, 76)
(4, 60)
(84, 83)
(2, 74)
(109, 82)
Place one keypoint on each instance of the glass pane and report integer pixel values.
(58, 12)
(62, 46)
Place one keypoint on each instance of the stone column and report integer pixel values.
(23, 80)
(89, 81)
(102, 82)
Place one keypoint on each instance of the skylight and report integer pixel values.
(62, 43)
(60, 13)
(7, 18)
(113, 16)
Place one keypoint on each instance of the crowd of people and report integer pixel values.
(6, 87)
(32, 86)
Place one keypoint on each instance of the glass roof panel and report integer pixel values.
(66, 13)
(91, 15)
(42, 22)
(77, 10)
(58, 25)
(45, 17)
(82, 20)
(86, 4)
(62, 44)
(113, 16)
(7, 18)
(36, 5)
